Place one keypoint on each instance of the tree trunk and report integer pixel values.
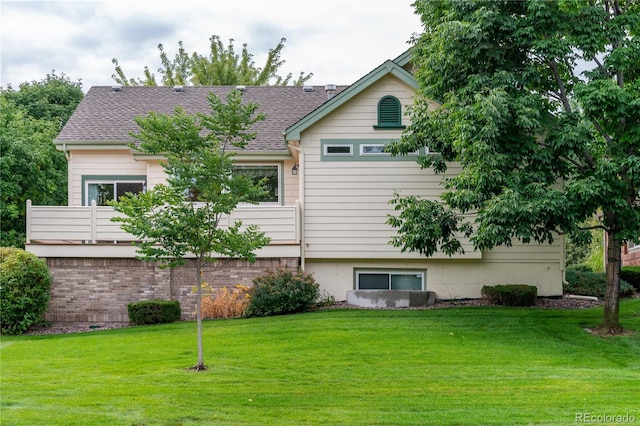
(200, 365)
(611, 320)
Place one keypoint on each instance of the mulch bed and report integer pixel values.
(543, 303)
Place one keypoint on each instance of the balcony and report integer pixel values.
(87, 231)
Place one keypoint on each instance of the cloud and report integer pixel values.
(338, 40)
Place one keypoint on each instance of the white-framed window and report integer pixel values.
(338, 149)
(373, 149)
(102, 191)
(372, 279)
(270, 173)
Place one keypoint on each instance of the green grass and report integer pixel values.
(351, 367)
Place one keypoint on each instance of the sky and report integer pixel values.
(338, 41)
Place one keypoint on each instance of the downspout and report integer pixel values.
(300, 162)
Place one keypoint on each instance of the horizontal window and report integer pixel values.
(389, 280)
(338, 149)
(372, 149)
(360, 150)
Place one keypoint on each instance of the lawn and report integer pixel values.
(465, 365)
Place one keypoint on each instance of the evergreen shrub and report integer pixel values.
(154, 312)
(282, 292)
(25, 287)
(510, 294)
(583, 281)
(631, 274)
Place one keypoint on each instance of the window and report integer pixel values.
(390, 280)
(372, 149)
(389, 113)
(338, 149)
(103, 191)
(632, 245)
(269, 174)
(360, 150)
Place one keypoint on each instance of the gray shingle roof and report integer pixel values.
(108, 116)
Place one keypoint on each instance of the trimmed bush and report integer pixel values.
(282, 292)
(585, 282)
(631, 274)
(510, 294)
(25, 286)
(154, 312)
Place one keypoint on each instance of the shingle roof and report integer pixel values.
(108, 116)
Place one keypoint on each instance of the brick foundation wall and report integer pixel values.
(97, 291)
(630, 257)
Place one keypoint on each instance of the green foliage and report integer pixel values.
(542, 146)
(30, 166)
(223, 66)
(282, 292)
(53, 99)
(583, 281)
(631, 274)
(25, 286)
(154, 312)
(510, 294)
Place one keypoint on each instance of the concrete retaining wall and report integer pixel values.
(391, 298)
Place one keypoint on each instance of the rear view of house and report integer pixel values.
(321, 149)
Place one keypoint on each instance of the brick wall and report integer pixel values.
(630, 257)
(97, 291)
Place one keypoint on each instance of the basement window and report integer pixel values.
(389, 280)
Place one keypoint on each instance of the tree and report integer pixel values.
(181, 222)
(52, 99)
(543, 146)
(31, 167)
(223, 66)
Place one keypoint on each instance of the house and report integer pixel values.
(322, 151)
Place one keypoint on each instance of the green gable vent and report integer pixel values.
(389, 113)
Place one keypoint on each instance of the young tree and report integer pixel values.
(223, 66)
(544, 146)
(182, 222)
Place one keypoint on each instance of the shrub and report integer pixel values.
(588, 283)
(224, 303)
(282, 292)
(154, 311)
(25, 286)
(510, 294)
(631, 274)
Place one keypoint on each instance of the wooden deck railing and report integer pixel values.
(92, 224)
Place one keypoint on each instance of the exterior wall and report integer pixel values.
(121, 163)
(291, 183)
(448, 279)
(97, 291)
(346, 205)
(100, 163)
